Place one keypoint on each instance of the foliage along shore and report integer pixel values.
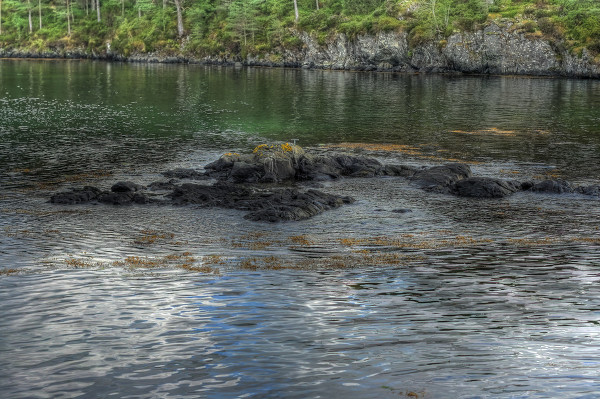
(541, 37)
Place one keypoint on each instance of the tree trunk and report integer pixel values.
(123, 8)
(68, 19)
(296, 10)
(98, 9)
(30, 21)
(164, 4)
(40, 12)
(0, 17)
(317, 5)
(179, 18)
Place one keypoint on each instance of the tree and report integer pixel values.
(68, 18)
(296, 10)
(0, 17)
(40, 12)
(179, 18)
(29, 12)
(242, 16)
(98, 10)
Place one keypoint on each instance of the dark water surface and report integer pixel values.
(457, 299)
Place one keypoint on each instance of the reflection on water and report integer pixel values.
(456, 299)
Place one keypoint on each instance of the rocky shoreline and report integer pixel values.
(273, 183)
(498, 49)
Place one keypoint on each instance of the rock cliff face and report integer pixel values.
(494, 50)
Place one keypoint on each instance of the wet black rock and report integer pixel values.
(485, 187)
(440, 179)
(292, 205)
(93, 194)
(126, 187)
(270, 205)
(593, 190)
(242, 172)
(553, 187)
(76, 196)
(163, 185)
(333, 166)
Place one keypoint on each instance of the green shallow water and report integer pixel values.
(458, 298)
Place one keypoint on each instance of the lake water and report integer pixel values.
(458, 298)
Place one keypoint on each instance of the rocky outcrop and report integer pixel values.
(288, 162)
(240, 184)
(498, 48)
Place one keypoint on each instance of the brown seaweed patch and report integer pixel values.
(400, 149)
(213, 260)
(149, 237)
(411, 241)
(553, 174)
(345, 261)
(587, 240)
(492, 131)
(510, 172)
(184, 261)
(80, 263)
(303, 240)
(177, 260)
(529, 242)
(8, 272)
(257, 241)
(249, 264)
(200, 269)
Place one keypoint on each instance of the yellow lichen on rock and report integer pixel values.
(286, 149)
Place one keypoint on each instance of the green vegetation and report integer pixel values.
(249, 27)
